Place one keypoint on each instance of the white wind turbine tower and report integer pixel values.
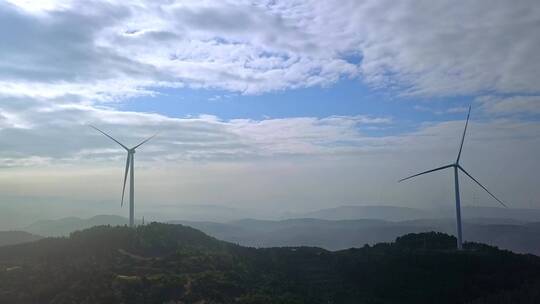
(457, 167)
(130, 168)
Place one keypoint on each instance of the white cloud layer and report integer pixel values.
(60, 132)
(115, 49)
(517, 104)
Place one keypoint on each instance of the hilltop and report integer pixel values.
(165, 263)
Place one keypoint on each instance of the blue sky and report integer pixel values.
(347, 97)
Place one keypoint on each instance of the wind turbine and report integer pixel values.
(457, 167)
(130, 169)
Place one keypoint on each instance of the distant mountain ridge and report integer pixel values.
(64, 226)
(388, 213)
(396, 213)
(17, 237)
(336, 235)
(508, 233)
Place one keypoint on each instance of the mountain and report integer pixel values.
(64, 226)
(387, 213)
(336, 235)
(164, 263)
(331, 235)
(394, 213)
(521, 237)
(524, 215)
(17, 237)
(201, 212)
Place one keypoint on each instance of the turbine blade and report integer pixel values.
(110, 137)
(144, 141)
(428, 171)
(125, 179)
(463, 137)
(467, 173)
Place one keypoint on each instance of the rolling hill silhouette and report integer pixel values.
(165, 263)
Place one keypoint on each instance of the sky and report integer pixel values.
(267, 106)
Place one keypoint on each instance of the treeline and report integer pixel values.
(160, 263)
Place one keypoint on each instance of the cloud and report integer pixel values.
(111, 50)
(300, 163)
(59, 61)
(60, 133)
(510, 105)
(440, 49)
(41, 133)
(452, 110)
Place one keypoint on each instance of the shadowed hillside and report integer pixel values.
(164, 263)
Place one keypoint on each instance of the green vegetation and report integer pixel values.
(162, 263)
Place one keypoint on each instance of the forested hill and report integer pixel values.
(164, 263)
